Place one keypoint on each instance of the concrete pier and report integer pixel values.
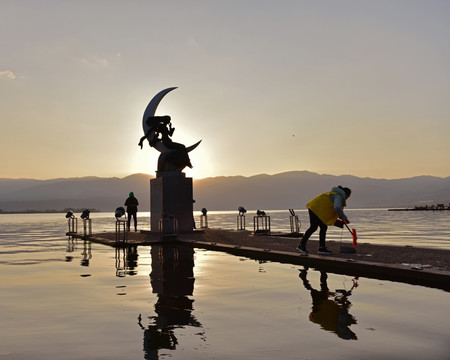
(427, 267)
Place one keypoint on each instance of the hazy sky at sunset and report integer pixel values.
(338, 87)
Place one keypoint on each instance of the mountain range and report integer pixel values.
(280, 191)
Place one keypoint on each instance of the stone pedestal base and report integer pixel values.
(171, 194)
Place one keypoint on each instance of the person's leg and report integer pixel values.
(314, 224)
(323, 281)
(135, 221)
(322, 234)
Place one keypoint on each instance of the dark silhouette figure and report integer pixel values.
(132, 207)
(174, 156)
(330, 309)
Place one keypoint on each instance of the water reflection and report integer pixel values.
(87, 253)
(126, 261)
(71, 247)
(330, 309)
(172, 278)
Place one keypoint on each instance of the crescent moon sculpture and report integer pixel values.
(150, 110)
(158, 131)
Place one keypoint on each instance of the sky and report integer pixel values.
(341, 87)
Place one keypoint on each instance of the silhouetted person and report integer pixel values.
(132, 207)
(330, 309)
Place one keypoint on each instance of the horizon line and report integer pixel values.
(222, 176)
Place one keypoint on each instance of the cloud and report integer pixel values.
(7, 74)
(95, 62)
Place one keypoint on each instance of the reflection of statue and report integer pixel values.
(158, 131)
(172, 278)
(330, 310)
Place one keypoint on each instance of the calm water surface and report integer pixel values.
(69, 299)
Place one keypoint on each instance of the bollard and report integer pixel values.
(204, 221)
(73, 224)
(121, 235)
(240, 221)
(261, 225)
(87, 224)
(121, 230)
(87, 227)
(295, 224)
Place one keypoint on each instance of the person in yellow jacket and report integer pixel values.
(324, 210)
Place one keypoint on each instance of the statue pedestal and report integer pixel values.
(171, 194)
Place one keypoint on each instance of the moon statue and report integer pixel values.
(158, 131)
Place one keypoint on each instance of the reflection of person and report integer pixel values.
(325, 210)
(330, 309)
(132, 207)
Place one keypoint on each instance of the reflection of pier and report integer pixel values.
(172, 278)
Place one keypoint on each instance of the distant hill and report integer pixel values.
(105, 194)
(295, 189)
(266, 192)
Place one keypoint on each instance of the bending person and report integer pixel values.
(325, 210)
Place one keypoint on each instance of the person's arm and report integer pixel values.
(142, 140)
(338, 207)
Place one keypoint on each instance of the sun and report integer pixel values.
(202, 165)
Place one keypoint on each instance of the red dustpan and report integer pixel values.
(350, 250)
(353, 232)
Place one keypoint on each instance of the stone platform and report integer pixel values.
(427, 267)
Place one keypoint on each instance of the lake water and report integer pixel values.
(63, 298)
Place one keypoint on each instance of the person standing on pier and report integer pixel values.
(325, 210)
(132, 207)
